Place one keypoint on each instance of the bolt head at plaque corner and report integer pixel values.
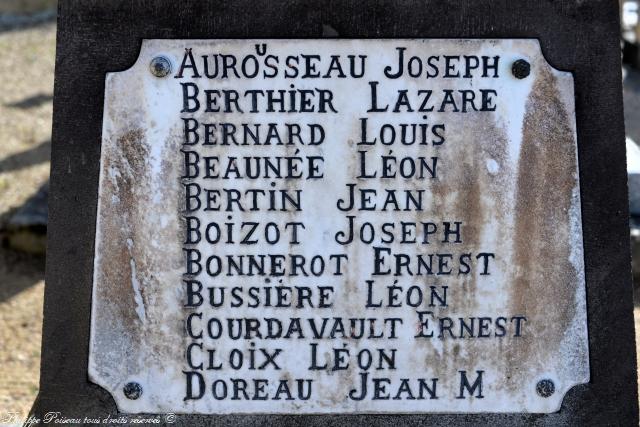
(132, 390)
(521, 68)
(160, 66)
(545, 388)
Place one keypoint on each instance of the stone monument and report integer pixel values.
(338, 214)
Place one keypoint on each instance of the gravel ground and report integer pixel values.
(26, 79)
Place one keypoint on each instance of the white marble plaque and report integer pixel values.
(339, 226)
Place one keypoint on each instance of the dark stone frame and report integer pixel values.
(580, 36)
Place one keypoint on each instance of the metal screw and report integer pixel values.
(521, 69)
(132, 390)
(545, 388)
(160, 66)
